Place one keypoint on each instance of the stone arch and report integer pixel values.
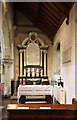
(7, 30)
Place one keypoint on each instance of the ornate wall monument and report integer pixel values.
(32, 58)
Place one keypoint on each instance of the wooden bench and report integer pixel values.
(56, 111)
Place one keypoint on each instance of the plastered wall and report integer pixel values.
(66, 37)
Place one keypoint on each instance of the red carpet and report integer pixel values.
(37, 102)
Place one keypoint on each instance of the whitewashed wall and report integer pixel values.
(76, 50)
(66, 36)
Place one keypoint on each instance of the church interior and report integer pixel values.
(38, 58)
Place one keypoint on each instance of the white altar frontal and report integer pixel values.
(35, 90)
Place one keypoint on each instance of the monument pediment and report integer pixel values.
(33, 38)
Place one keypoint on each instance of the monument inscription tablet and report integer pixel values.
(33, 54)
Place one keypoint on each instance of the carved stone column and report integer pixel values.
(2, 73)
(7, 75)
(25, 62)
(12, 47)
(21, 62)
(25, 57)
(6, 80)
(41, 58)
(45, 63)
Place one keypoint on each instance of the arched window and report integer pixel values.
(57, 59)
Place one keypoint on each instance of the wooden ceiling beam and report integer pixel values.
(57, 15)
(59, 25)
(25, 10)
(46, 16)
(52, 4)
(36, 12)
(34, 8)
(47, 22)
(49, 28)
(43, 28)
(29, 4)
(49, 19)
(62, 8)
(69, 4)
(65, 6)
(49, 14)
(27, 14)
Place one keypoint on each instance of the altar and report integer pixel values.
(35, 90)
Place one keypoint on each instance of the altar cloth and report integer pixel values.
(35, 90)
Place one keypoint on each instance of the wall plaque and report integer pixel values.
(66, 55)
